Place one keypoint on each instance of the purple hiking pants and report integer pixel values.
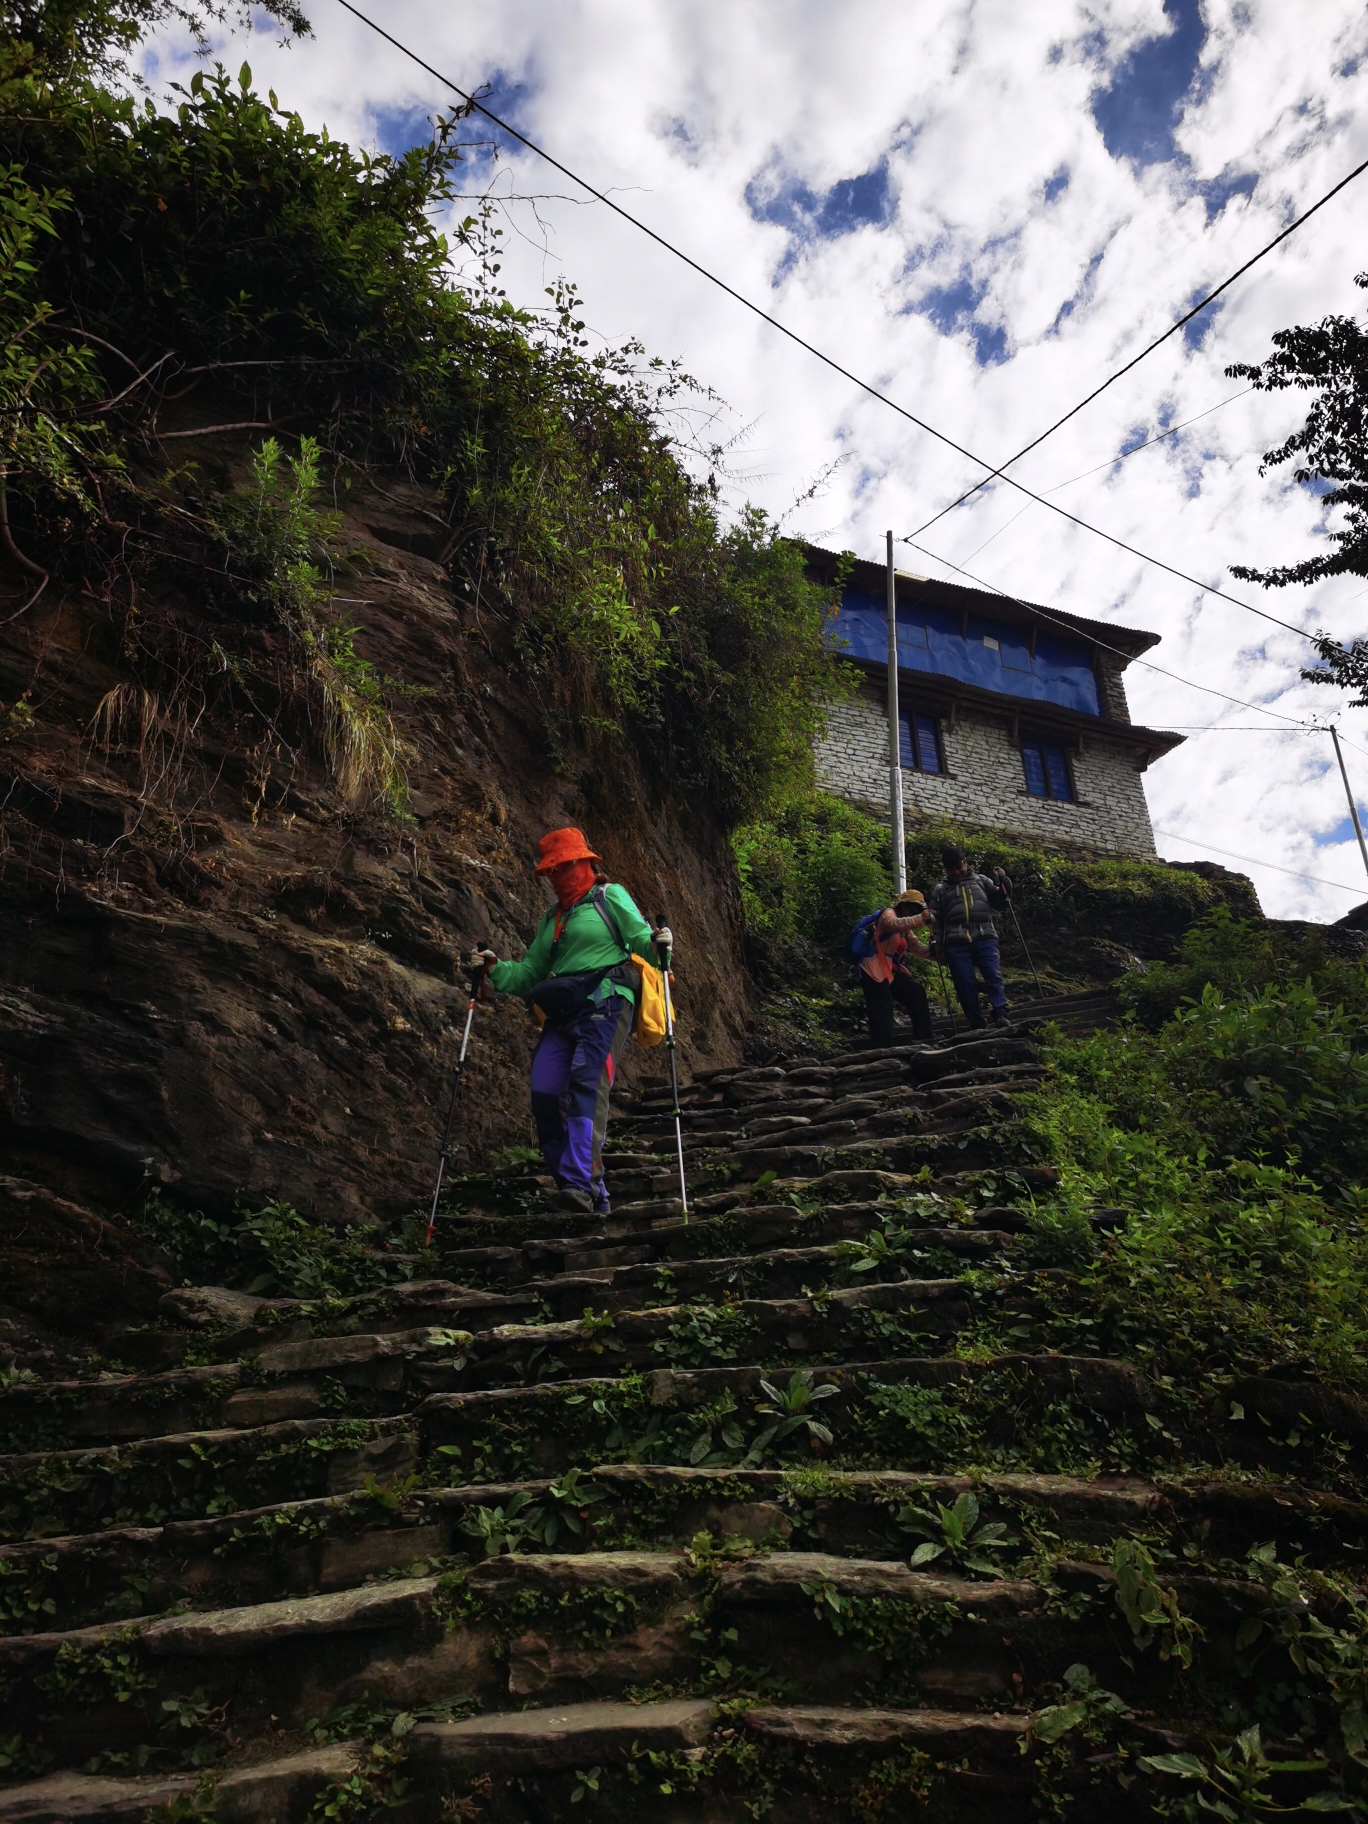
(572, 1078)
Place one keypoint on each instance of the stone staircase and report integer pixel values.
(619, 1517)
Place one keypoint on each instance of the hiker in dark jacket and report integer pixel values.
(580, 961)
(962, 907)
(885, 979)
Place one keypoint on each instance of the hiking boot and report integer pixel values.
(1000, 1017)
(572, 1199)
(602, 1203)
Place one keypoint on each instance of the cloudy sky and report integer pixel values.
(982, 208)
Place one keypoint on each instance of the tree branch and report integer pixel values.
(208, 430)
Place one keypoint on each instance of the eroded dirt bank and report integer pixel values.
(215, 972)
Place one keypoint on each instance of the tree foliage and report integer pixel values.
(95, 37)
(1329, 359)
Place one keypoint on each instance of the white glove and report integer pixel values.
(481, 959)
(664, 938)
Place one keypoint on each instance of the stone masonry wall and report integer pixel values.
(984, 783)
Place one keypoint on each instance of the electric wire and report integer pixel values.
(1149, 443)
(1195, 843)
(1172, 330)
(828, 360)
(1111, 463)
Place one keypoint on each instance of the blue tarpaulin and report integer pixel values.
(991, 654)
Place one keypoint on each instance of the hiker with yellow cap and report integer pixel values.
(579, 975)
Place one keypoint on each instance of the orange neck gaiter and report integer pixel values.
(572, 883)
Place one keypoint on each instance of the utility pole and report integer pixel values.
(895, 798)
(1353, 808)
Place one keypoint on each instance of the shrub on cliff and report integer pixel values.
(219, 258)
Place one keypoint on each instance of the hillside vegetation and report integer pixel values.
(217, 264)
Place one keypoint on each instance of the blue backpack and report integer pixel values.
(859, 941)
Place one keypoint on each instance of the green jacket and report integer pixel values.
(586, 943)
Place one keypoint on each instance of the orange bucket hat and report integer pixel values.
(563, 845)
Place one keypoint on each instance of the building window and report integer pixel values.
(919, 743)
(1047, 770)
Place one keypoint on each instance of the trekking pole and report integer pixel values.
(476, 983)
(674, 1070)
(1022, 941)
(945, 996)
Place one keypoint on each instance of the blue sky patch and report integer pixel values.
(1216, 192)
(1057, 184)
(952, 309)
(1138, 110)
(1082, 293)
(396, 129)
(1196, 332)
(1342, 832)
(786, 201)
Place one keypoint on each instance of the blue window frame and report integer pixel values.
(919, 743)
(1047, 770)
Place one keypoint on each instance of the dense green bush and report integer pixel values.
(1270, 1073)
(1238, 957)
(809, 870)
(1235, 1131)
(1054, 888)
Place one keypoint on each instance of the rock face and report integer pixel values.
(216, 972)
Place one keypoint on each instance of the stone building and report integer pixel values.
(1013, 717)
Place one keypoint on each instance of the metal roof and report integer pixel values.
(1127, 642)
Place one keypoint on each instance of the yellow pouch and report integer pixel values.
(648, 1028)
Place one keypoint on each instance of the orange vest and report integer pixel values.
(880, 966)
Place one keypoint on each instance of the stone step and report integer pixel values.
(107, 1690)
(305, 1547)
(283, 1790)
(852, 1511)
(675, 1758)
(283, 1381)
(917, 1063)
(675, 1761)
(468, 1243)
(771, 1273)
(389, 1372)
(557, 1628)
(852, 1323)
(458, 1308)
(312, 1546)
(756, 1228)
(921, 1117)
(190, 1474)
(664, 1416)
(291, 1548)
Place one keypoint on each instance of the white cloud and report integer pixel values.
(974, 107)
